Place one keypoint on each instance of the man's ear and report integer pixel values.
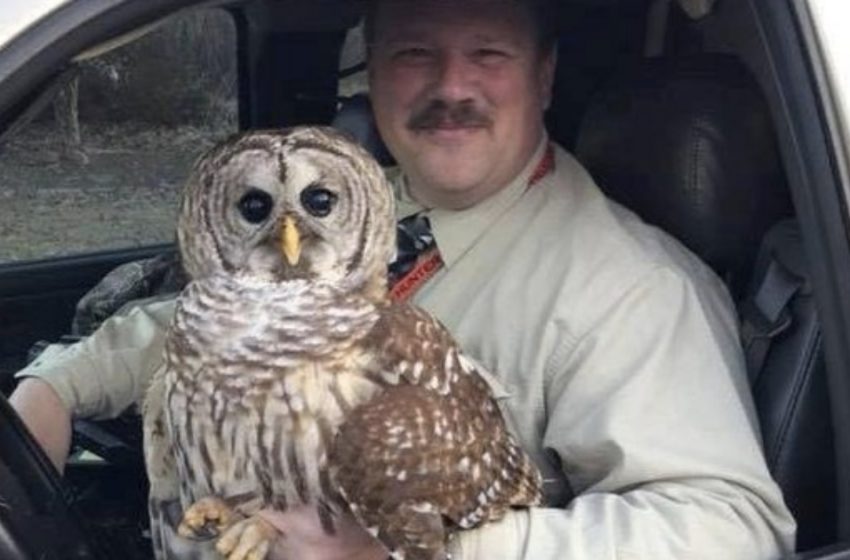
(546, 75)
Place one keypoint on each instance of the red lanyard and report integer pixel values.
(430, 262)
(427, 265)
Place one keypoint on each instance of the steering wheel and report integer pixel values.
(37, 518)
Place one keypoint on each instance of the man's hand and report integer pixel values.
(46, 417)
(304, 539)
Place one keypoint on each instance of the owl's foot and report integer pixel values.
(415, 531)
(206, 518)
(249, 539)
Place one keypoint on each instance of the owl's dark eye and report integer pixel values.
(256, 205)
(318, 201)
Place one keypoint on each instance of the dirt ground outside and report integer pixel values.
(126, 195)
(145, 110)
(135, 117)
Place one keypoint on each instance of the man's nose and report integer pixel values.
(455, 78)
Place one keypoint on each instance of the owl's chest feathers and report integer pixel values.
(260, 390)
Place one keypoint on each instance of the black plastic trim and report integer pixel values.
(38, 277)
(809, 154)
(42, 505)
(837, 552)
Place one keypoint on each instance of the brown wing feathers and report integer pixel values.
(435, 444)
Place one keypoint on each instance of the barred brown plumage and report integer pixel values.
(291, 378)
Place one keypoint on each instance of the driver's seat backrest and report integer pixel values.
(688, 144)
(354, 117)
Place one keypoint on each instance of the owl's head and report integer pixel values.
(300, 203)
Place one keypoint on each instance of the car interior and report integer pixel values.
(677, 109)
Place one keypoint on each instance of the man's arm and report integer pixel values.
(105, 373)
(99, 377)
(46, 416)
(650, 415)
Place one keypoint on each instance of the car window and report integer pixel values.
(99, 163)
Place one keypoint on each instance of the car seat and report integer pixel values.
(687, 143)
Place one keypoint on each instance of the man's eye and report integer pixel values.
(490, 55)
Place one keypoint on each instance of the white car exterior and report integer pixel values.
(830, 19)
(17, 15)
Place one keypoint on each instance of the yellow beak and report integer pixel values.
(290, 241)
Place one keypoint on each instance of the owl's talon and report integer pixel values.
(205, 519)
(249, 539)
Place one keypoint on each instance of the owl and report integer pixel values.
(291, 378)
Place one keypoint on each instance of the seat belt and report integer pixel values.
(765, 314)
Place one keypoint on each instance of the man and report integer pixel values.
(614, 349)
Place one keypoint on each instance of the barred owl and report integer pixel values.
(291, 378)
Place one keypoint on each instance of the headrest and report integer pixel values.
(688, 144)
(355, 117)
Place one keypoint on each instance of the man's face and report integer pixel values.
(458, 90)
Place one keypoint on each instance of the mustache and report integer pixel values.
(440, 113)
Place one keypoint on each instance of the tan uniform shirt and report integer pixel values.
(618, 360)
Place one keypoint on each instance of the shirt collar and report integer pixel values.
(456, 231)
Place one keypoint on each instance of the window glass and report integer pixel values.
(100, 162)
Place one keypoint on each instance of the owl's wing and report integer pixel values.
(164, 496)
(433, 445)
